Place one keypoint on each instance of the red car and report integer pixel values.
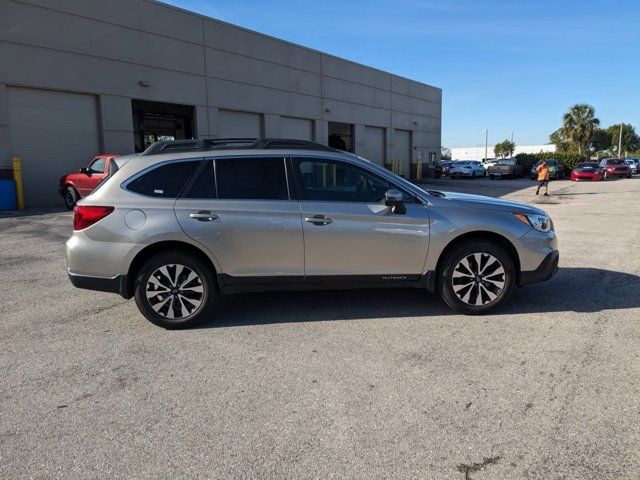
(587, 171)
(615, 167)
(74, 186)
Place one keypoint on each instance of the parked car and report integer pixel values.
(446, 166)
(506, 167)
(632, 165)
(637, 162)
(615, 167)
(489, 163)
(470, 169)
(74, 186)
(188, 221)
(587, 171)
(556, 169)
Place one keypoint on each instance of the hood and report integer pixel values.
(479, 201)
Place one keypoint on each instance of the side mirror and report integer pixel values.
(393, 198)
(85, 170)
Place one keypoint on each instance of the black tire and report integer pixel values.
(205, 277)
(466, 250)
(473, 175)
(70, 197)
(492, 177)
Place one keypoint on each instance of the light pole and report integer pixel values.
(486, 144)
(620, 143)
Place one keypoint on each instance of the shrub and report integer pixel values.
(569, 160)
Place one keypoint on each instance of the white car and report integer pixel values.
(471, 169)
(632, 165)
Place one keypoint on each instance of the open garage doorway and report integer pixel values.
(154, 121)
(341, 136)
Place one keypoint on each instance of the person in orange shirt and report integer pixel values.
(543, 177)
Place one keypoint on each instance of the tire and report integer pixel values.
(605, 176)
(181, 304)
(498, 284)
(492, 177)
(473, 175)
(70, 198)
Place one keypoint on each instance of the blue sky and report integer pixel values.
(503, 65)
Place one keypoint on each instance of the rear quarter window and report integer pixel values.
(165, 181)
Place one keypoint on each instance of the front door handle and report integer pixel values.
(318, 220)
(204, 216)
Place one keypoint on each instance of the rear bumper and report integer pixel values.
(547, 269)
(117, 284)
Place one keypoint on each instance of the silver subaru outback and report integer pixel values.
(187, 221)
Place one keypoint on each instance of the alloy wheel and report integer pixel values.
(478, 279)
(174, 291)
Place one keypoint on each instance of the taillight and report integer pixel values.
(84, 215)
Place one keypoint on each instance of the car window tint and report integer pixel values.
(204, 186)
(164, 181)
(322, 180)
(97, 166)
(252, 178)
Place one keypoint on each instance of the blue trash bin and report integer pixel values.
(8, 195)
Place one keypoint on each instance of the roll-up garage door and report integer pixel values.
(233, 124)
(53, 133)
(298, 128)
(374, 145)
(402, 151)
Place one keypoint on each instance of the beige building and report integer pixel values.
(81, 77)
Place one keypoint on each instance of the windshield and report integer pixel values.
(586, 166)
(506, 162)
(616, 161)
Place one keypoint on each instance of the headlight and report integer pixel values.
(542, 223)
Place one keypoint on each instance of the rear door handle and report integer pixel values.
(204, 216)
(318, 220)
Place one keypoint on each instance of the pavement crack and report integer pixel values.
(476, 467)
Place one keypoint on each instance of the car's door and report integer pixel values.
(348, 230)
(96, 172)
(240, 209)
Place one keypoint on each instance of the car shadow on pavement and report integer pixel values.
(571, 290)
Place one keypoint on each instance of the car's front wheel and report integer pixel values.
(477, 276)
(70, 197)
(175, 290)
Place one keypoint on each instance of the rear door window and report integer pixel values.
(166, 181)
(252, 178)
(204, 184)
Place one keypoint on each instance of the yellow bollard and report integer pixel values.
(17, 176)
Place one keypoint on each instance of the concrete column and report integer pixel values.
(272, 127)
(117, 124)
(322, 131)
(5, 141)
(212, 115)
(201, 128)
(388, 145)
(359, 138)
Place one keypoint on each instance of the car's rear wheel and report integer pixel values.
(175, 290)
(70, 197)
(477, 277)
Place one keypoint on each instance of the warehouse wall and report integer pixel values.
(108, 48)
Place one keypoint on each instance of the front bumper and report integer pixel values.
(547, 269)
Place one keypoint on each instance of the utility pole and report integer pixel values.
(511, 137)
(620, 143)
(486, 144)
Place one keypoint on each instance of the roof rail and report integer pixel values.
(208, 144)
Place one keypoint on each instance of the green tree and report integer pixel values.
(561, 143)
(600, 140)
(445, 153)
(578, 125)
(504, 149)
(630, 140)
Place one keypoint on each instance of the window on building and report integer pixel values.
(252, 178)
(167, 180)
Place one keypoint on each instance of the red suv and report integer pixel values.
(74, 186)
(615, 167)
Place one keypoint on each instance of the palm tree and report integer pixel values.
(578, 125)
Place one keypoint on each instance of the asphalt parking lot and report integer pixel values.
(352, 384)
